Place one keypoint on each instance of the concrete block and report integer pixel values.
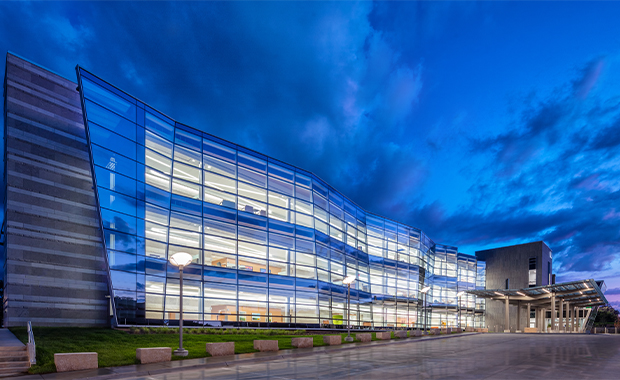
(434, 332)
(385, 335)
(530, 330)
(332, 340)
(400, 334)
(75, 361)
(469, 329)
(153, 354)
(481, 330)
(302, 342)
(416, 333)
(364, 337)
(222, 348)
(449, 330)
(266, 345)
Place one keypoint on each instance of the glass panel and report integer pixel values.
(253, 250)
(219, 198)
(214, 165)
(159, 126)
(220, 229)
(220, 183)
(186, 172)
(187, 156)
(110, 120)
(190, 140)
(252, 192)
(252, 177)
(186, 189)
(156, 232)
(158, 144)
(186, 238)
(157, 179)
(219, 244)
(108, 99)
(186, 222)
(157, 161)
(113, 161)
(155, 249)
(252, 162)
(219, 151)
(218, 259)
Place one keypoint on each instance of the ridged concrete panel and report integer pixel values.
(55, 269)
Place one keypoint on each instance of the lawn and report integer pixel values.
(116, 347)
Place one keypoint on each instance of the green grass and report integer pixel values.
(117, 347)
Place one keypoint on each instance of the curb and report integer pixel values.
(124, 372)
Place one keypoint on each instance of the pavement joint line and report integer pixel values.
(236, 362)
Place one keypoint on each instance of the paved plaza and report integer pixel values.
(485, 356)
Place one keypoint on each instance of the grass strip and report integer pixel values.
(116, 347)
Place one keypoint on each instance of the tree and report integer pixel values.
(607, 316)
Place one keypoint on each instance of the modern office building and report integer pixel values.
(102, 189)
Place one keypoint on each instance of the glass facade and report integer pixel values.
(270, 243)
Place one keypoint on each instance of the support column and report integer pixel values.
(527, 315)
(561, 315)
(553, 315)
(575, 320)
(507, 316)
(567, 327)
(518, 328)
(542, 319)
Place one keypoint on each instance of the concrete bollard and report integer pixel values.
(364, 337)
(266, 345)
(76, 361)
(302, 342)
(332, 340)
(221, 348)
(153, 354)
(384, 335)
(400, 334)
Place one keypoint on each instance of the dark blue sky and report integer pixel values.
(484, 124)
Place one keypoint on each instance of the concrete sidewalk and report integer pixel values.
(138, 370)
(7, 339)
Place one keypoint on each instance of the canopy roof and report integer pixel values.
(578, 293)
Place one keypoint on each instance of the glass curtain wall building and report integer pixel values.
(270, 242)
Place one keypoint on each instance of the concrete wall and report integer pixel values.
(512, 263)
(55, 271)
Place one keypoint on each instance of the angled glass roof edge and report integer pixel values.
(80, 68)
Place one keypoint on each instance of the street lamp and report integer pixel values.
(348, 281)
(425, 291)
(181, 259)
(458, 295)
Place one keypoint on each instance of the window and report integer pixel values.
(507, 283)
(532, 272)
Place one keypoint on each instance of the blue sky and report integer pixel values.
(484, 124)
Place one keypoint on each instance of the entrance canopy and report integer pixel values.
(578, 293)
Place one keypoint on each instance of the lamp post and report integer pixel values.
(181, 259)
(348, 281)
(458, 295)
(425, 291)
